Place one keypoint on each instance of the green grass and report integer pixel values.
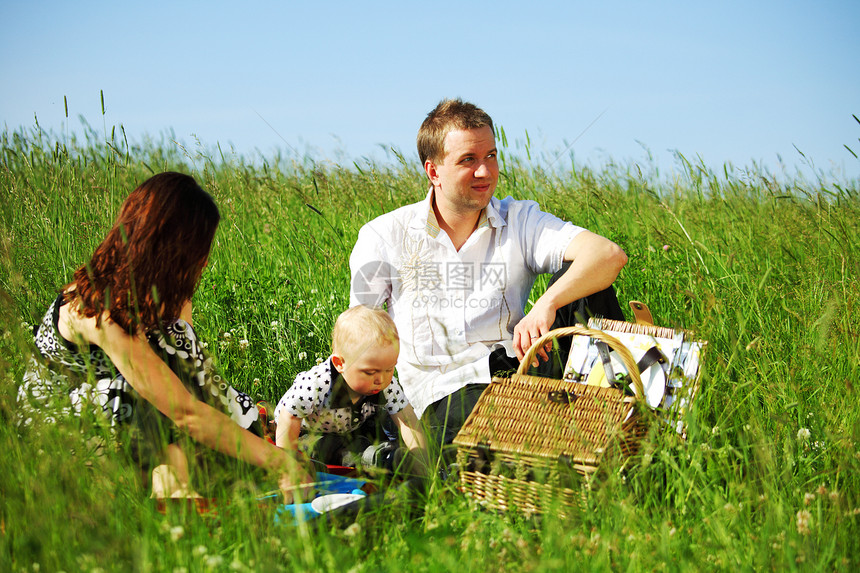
(763, 267)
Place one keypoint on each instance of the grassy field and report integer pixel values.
(762, 266)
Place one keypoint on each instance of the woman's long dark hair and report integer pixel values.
(149, 264)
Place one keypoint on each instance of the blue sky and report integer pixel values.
(741, 82)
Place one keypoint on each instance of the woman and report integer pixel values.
(119, 339)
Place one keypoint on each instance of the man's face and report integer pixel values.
(465, 180)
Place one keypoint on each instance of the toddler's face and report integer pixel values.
(370, 371)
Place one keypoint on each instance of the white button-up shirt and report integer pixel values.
(453, 308)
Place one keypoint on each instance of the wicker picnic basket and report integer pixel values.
(530, 442)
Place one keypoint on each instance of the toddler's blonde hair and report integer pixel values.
(360, 328)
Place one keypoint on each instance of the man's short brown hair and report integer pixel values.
(449, 115)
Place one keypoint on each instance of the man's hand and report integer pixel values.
(535, 324)
(595, 263)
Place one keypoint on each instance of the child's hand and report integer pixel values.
(298, 484)
(296, 492)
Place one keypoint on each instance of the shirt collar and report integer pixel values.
(431, 224)
(490, 217)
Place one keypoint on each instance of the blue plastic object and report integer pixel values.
(330, 483)
(295, 513)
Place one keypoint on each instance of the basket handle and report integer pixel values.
(614, 343)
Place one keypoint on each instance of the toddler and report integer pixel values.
(338, 410)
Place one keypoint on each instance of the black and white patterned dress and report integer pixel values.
(65, 379)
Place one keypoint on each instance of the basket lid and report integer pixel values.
(524, 415)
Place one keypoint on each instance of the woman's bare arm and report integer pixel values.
(154, 382)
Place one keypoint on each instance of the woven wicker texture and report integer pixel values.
(527, 496)
(521, 449)
(517, 416)
(607, 325)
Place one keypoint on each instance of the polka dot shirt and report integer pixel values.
(320, 398)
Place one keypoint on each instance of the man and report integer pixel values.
(456, 270)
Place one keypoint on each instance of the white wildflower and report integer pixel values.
(300, 302)
(320, 359)
(228, 334)
(803, 518)
(302, 355)
(213, 561)
(274, 324)
(803, 434)
(176, 532)
(243, 344)
(352, 530)
(314, 291)
(199, 550)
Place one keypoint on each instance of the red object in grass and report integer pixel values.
(344, 471)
